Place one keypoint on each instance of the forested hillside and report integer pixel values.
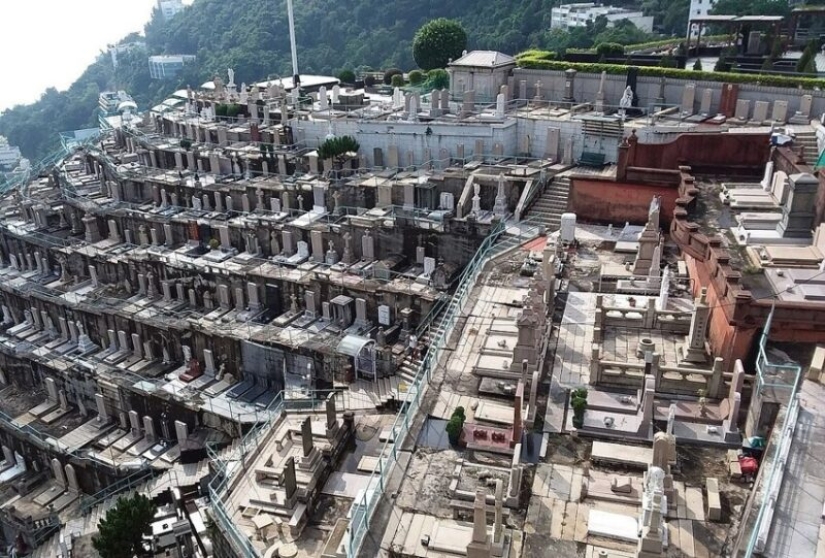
(252, 37)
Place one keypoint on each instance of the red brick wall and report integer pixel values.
(704, 151)
(606, 201)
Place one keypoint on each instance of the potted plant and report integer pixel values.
(578, 402)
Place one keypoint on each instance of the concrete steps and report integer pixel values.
(806, 138)
(548, 209)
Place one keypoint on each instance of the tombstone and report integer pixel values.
(137, 346)
(254, 297)
(317, 240)
(223, 296)
(123, 340)
(707, 99)
(306, 436)
(569, 87)
(760, 111)
(166, 288)
(134, 422)
(805, 105)
(51, 389)
(688, 98)
(148, 351)
(102, 415)
(239, 300)
(113, 231)
(225, 239)
(62, 322)
(181, 431)
(287, 242)
(59, 474)
(743, 109)
(780, 111)
(149, 428)
(167, 233)
(288, 479)
(208, 362)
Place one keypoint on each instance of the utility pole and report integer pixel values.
(296, 79)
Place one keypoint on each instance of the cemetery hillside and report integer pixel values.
(251, 36)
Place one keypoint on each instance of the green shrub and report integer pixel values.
(676, 73)
(697, 66)
(437, 79)
(578, 402)
(346, 76)
(454, 427)
(388, 75)
(369, 81)
(610, 49)
(185, 143)
(397, 80)
(416, 77)
(459, 412)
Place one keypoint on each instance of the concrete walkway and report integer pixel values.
(795, 530)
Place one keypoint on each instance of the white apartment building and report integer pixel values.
(170, 7)
(9, 155)
(698, 8)
(568, 16)
(168, 65)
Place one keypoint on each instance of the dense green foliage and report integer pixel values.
(121, 532)
(455, 425)
(346, 76)
(336, 148)
(416, 77)
(438, 42)
(807, 62)
(251, 37)
(751, 7)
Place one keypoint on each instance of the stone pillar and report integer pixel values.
(480, 546)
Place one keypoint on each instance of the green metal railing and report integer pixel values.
(123, 485)
(784, 379)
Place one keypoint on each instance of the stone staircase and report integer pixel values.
(548, 208)
(805, 137)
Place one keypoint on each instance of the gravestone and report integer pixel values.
(760, 111)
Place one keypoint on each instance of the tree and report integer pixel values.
(397, 80)
(807, 62)
(337, 148)
(437, 42)
(623, 32)
(751, 7)
(697, 66)
(120, 534)
(346, 76)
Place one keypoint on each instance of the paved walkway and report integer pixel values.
(795, 530)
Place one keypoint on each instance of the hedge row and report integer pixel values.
(672, 43)
(532, 63)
